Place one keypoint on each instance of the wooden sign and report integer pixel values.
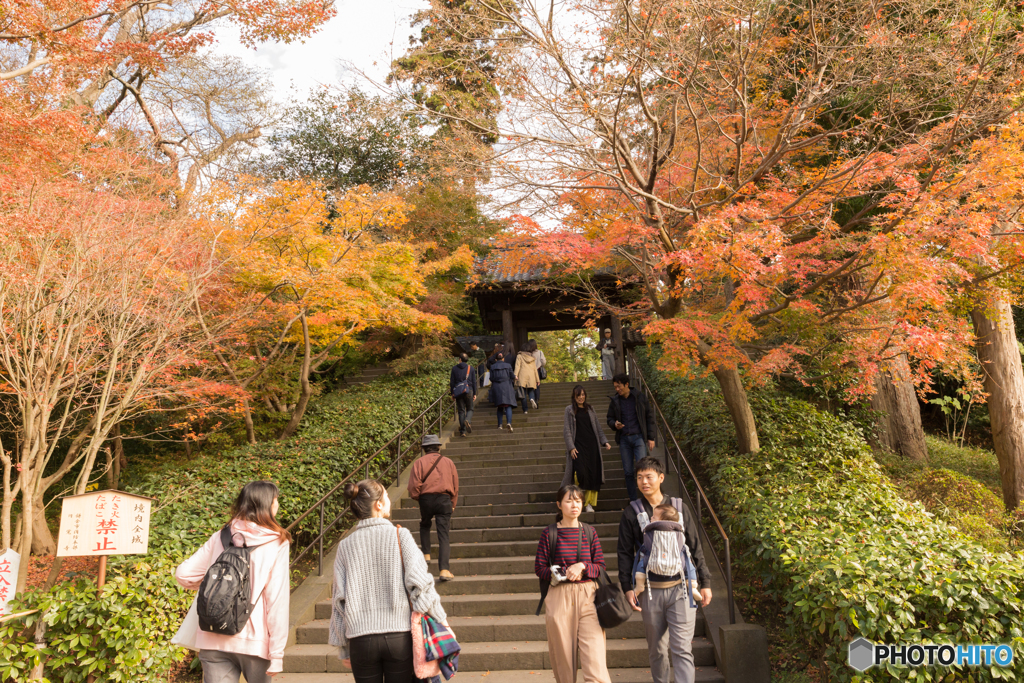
(10, 561)
(104, 523)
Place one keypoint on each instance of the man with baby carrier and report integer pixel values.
(666, 601)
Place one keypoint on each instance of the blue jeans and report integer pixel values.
(530, 393)
(506, 412)
(631, 448)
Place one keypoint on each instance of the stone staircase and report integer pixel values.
(508, 484)
(368, 374)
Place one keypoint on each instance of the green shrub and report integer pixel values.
(833, 540)
(124, 634)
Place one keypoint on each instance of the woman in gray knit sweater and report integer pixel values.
(370, 619)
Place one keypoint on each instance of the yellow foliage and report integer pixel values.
(306, 250)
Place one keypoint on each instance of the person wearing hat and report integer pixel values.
(434, 483)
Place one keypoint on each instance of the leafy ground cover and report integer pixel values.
(959, 484)
(831, 539)
(123, 633)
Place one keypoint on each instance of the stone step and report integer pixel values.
(514, 548)
(611, 473)
(410, 517)
(703, 675)
(499, 656)
(522, 440)
(552, 472)
(506, 534)
(472, 489)
(551, 466)
(493, 629)
(543, 496)
(409, 509)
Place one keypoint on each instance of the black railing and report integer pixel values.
(699, 502)
(434, 415)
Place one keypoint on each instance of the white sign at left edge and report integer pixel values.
(10, 561)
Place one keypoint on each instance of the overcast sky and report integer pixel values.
(365, 32)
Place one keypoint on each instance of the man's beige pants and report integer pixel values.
(571, 621)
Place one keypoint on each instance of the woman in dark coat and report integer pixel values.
(583, 440)
(503, 390)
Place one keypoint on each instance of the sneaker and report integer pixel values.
(589, 508)
(510, 429)
(469, 428)
(533, 404)
(446, 575)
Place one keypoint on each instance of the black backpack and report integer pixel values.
(223, 603)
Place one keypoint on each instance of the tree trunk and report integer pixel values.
(250, 430)
(899, 425)
(739, 408)
(1004, 383)
(24, 541)
(306, 390)
(42, 539)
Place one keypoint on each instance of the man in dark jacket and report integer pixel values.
(633, 422)
(665, 606)
(463, 389)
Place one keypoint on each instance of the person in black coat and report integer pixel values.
(462, 385)
(503, 390)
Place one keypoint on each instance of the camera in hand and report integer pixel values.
(557, 575)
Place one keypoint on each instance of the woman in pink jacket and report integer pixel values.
(258, 649)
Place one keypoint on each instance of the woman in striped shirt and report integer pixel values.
(571, 618)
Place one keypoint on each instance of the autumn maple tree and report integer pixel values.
(755, 169)
(308, 271)
(97, 293)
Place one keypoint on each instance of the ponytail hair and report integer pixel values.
(570, 490)
(255, 503)
(362, 496)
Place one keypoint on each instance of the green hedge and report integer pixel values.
(123, 633)
(833, 541)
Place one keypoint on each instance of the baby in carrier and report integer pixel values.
(665, 553)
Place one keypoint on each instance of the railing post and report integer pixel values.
(728, 580)
(320, 559)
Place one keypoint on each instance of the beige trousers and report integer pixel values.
(571, 621)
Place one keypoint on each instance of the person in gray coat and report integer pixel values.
(583, 440)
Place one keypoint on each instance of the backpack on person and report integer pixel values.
(222, 604)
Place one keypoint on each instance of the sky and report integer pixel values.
(365, 35)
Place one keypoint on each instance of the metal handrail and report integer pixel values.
(701, 496)
(440, 406)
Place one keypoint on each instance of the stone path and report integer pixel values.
(508, 486)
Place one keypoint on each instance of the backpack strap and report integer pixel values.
(590, 533)
(637, 506)
(432, 467)
(544, 585)
(677, 503)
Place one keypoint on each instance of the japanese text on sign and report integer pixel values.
(104, 523)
